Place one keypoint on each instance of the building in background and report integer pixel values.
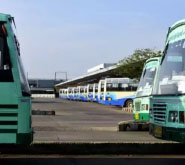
(42, 87)
(93, 75)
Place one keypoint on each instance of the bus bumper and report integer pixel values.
(24, 138)
(168, 133)
(141, 116)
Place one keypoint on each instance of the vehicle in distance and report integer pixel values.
(144, 90)
(119, 92)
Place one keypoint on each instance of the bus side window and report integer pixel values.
(109, 86)
(133, 87)
(24, 82)
(5, 64)
(1, 53)
(123, 87)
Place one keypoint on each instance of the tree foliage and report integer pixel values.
(132, 66)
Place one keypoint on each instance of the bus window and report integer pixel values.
(123, 87)
(24, 81)
(128, 87)
(102, 87)
(96, 89)
(133, 87)
(5, 64)
(91, 89)
(85, 90)
(81, 90)
(112, 87)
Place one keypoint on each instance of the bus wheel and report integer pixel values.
(129, 104)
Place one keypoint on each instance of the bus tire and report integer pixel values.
(129, 104)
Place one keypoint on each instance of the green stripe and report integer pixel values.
(9, 118)
(8, 111)
(8, 127)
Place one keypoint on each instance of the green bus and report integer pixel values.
(144, 90)
(168, 96)
(15, 100)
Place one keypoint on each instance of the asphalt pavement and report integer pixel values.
(79, 122)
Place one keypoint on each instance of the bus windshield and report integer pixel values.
(91, 88)
(70, 91)
(171, 75)
(146, 82)
(81, 90)
(102, 87)
(75, 90)
(96, 88)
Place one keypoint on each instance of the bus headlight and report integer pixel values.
(173, 116)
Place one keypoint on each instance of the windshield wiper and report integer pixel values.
(164, 52)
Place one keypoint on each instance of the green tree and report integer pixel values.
(132, 66)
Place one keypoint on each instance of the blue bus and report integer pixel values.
(70, 93)
(82, 93)
(95, 92)
(61, 93)
(76, 93)
(100, 98)
(90, 88)
(119, 92)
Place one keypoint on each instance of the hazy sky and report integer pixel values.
(74, 35)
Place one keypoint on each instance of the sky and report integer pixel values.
(74, 35)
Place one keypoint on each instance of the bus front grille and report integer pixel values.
(159, 113)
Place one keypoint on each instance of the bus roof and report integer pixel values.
(82, 86)
(153, 59)
(126, 78)
(4, 17)
(175, 32)
(70, 88)
(178, 23)
(90, 84)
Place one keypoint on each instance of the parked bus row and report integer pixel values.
(110, 91)
(120, 91)
(159, 98)
(163, 104)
